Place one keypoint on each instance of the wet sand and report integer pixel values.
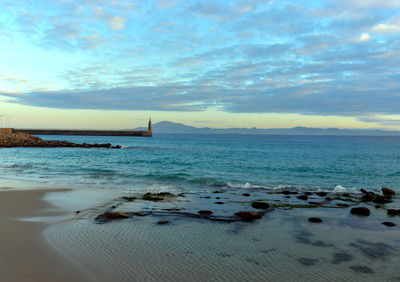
(25, 254)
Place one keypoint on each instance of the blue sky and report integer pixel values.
(215, 63)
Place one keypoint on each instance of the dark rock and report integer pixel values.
(302, 197)
(393, 212)
(163, 221)
(129, 199)
(368, 197)
(388, 223)
(315, 220)
(113, 207)
(346, 195)
(381, 200)
(249, 215)
(308, 193)
(108, 215)
(151, 197)
(165, 194)
(77, 212)
(329, 198)
(260, 205)
(207, 212)
(360, 211)
(158, 196)
(246, 194)
(286, 192)
(363, 191)
(315, 203)
(219, 203)
(217, 192)
(321, 194)
(388, 192)
(217, 198)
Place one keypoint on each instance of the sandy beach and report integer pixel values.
(43, 239)
(25, 255)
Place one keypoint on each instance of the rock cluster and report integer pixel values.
(14, 138)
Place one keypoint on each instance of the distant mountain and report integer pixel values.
(179, 128)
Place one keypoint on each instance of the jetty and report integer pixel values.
(139, 133)
(10, 138)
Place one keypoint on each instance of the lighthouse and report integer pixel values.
(150, 127)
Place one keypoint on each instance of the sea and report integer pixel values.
(184, 162)
(223, 174)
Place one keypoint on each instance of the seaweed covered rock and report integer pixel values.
(157, 196)
(108, 215)
(249, 215)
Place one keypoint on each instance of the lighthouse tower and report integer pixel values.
(150, 127)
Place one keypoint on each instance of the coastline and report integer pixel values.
(43, 240)
(25, 254)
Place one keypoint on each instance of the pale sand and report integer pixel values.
(24, 253)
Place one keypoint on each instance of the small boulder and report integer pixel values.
(260, 205)
(368, 197)
(163, 221)
(388, 223)
(360, 211)
(381, 200)
(219, 203)
(321, 194)
(308, 193)
(248, 215)
(388, 192)
(302, 197)
(206, 212)
(362, 190)
(246, 194)
(315, 203)
(315, 220)
(393, 212)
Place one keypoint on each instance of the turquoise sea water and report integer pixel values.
(202, 162)
(281, 246)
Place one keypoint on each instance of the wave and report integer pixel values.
(336, 189)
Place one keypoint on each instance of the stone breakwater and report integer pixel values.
(11, 138)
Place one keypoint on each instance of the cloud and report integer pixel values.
(117, 23)
(328, 57)
(386, 28)
(365, 37)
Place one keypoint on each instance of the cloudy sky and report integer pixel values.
(112, 64)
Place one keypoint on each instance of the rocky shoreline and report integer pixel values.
(224, 206)
(10, 138)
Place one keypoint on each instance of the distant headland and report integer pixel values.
(164, 127)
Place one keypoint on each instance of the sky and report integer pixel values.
(265, 64)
